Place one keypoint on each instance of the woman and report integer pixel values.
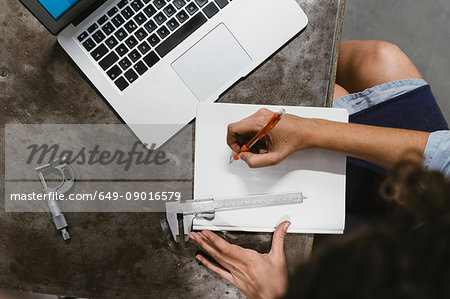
(392, 112)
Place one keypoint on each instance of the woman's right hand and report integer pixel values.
(287, 137)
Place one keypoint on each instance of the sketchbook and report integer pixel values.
(318, 174)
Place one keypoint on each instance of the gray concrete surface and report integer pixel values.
(13, 294)
(129, 255)
(419, 28)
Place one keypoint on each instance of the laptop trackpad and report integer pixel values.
(211, 63)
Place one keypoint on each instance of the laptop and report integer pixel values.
(155, 60)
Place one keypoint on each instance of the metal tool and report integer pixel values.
(206, 208)
(65, 171)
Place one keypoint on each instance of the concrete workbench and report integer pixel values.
(127, 255)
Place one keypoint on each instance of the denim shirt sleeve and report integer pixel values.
(437, 152)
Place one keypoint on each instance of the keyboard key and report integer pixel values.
(153, 40)
(98, 36)
(122, 4)
(130, 26)
(159, 3)
(146, 1)
(121, 49)
(163, 32)
(201, 2)
(99, 52)
(150, 26)
(144, 48)
(149, 10)
(112, 11)
(125, 63)
(210, 10)
(140, 18)
(111, 42)
(131, 76)
(182, 16)
(140, 68)
(141, 34)
(121, 83)
(92, 28)
(179, 3)
(181, 34)
(160, 18)
(173, 24)
(102, 20)
(192, 8)
(89, 44)
(108, 28)
(82, 36)
(114, 72)
(221, 3)
(127, 13)
(151, 59)
(121, 34)
(108, 61)
(131, 42)
(134, 55)
(137, 5)
(118, 20)
(169, 10)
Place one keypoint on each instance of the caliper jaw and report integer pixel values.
(189, 210)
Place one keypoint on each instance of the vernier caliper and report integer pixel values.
(66, 172)
(206, 208)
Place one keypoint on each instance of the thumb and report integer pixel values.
(259, 160)
(278, 238)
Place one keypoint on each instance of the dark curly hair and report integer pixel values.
(405, 258)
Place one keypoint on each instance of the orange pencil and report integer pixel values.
(270, 124)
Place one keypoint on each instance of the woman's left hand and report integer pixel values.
(254, 274)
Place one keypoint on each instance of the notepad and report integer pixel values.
(318, 174)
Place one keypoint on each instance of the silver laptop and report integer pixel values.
(155, 60)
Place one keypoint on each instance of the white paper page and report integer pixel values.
(318, 174)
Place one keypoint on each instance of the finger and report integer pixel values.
(213, 251)
(260, 160)
(237, 130)
(219, 270)
(278, 239)
(203, 243)
(245, 126)
(227, 249)
(235, 147)
(249, 125)
(227, 255)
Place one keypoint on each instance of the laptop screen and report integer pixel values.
(56, 8)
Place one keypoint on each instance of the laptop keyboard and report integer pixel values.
(135, 34)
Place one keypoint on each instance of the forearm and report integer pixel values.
(378, 145)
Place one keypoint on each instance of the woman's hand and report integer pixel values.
(254, 274)
(283, 140)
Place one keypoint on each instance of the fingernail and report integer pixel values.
(286, 226)
(199, 259)
(242, 157)
(192, 236)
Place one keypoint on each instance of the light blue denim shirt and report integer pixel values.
(437, 151)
